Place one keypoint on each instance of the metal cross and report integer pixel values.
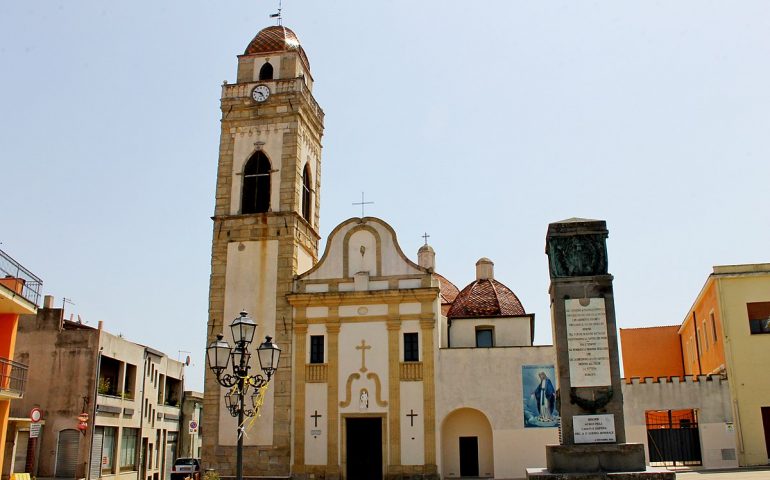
(425, 237)
(411, 416)
(315, 417)
(362, 203)
(363, 347)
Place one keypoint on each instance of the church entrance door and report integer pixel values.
(469, 456)
(364, 448)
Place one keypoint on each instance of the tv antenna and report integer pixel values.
(278, 14)
(65, 301)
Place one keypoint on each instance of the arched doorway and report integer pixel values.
(466, 444)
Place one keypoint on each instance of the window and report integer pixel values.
(129, 382)
(128, 449)
(713, 326)
(316, 349)
(703, 336)
(306, 193)
(411, 347)
(108, 450)
(266, 72)
(759, 317)
(255, 197)
(485, 337)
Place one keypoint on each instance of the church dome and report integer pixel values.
(447, 289)
(485, 297)
(276, 39)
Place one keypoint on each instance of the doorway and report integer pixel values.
(364, 448)
(673, 438)
(469, 456)
(766, 425)
(67, 449)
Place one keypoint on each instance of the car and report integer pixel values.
(186, 468)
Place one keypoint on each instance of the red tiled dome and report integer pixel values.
(486, 298)
(447, 289)
(276, 39)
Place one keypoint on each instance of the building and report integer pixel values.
(190, 444)
(19, 294)
(722, 334)
(384, 369)
(111, 408)
(265, 232)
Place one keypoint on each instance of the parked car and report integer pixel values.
(186, 468)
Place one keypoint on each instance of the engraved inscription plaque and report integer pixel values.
(589, 353)
(594, 428)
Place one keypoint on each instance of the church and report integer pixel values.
(388, 370)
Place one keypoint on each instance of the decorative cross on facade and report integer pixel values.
(425, 237)
(411, 416)
(363, 347)
(315, 418)
(362, 203)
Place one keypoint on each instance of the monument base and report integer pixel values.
(647, 474)
(589, 458)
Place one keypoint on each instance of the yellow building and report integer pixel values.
(727, 330)
(19, 292)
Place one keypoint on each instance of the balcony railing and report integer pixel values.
(13, 378)
(18, 279)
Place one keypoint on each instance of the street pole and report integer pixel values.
(239, 431)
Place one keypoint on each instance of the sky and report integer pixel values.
(477, 122)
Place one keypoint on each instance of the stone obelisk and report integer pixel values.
(593, 440)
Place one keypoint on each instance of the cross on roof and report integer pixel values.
(362, 203)
(425, 237)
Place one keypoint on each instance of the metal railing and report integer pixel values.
(13, 377)
(14, 277)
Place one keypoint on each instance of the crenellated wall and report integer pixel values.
(708, 395)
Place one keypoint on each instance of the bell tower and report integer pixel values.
(265, 232)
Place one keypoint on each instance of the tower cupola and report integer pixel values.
(275, 53)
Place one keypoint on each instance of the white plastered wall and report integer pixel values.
(492, 384)
(711, 400)
(316, 437)
(391, 261)
(508, 332)
(375, 334)
(250, 285)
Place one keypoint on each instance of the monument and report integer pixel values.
(593, 441)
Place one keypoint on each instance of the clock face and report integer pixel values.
(260, 93)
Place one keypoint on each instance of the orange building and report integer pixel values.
(651, 352)
(19, 293)
(726, 332)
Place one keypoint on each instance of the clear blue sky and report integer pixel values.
(478, 122)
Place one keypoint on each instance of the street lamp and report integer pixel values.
(219, 356)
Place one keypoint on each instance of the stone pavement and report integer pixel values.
(737, 474)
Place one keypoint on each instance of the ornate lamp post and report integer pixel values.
(219, 354)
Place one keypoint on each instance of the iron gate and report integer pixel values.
(673, 438)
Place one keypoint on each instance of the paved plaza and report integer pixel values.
(741, 474)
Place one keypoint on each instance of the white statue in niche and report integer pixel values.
(363, 401)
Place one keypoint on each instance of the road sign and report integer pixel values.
(34, 430)
(35, 414)
(193, 427)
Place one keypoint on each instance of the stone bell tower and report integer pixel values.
(265, 232)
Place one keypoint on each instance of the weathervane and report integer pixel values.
(278, 15)
(363, 203)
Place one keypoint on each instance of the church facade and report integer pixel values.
(388, 370)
